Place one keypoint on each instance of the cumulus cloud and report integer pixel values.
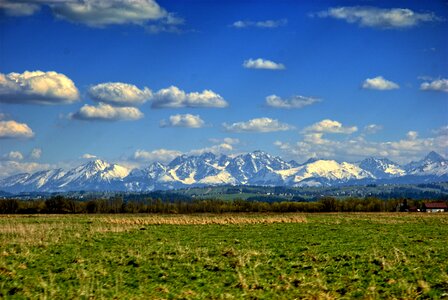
(14, 155)
(173, 97)
(261, 63)
(372, 128)
(216, 149)
(411, 147)
(160, 155)
(227, 140)
(258, 125)
(365, 16)
(11, 167)
(415, 147)
(442, 131)
(18, 156)
(88, 156)
(101, 13)
(379, 83)
(187, 120)
(106, 112)
(439, 85)
(412, 135)
(119, 94)
(98, 13)
(260, 24)
(18, 9)
(12, 129)
(37, 87)
(330, 126)
(166, 156)
(36, 153)
(290, 103)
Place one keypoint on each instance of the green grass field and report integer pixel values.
(266, 256)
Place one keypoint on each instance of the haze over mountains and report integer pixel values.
(255, 168)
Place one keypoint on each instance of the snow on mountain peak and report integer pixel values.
(115, 172)
(311, 160)
(256, 168)
(382, 167)
(434, 157)
(96, 165)
(432, 164)
(331, 170)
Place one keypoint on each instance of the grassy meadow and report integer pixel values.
(227, 256)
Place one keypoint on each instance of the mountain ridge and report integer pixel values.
(253, 168)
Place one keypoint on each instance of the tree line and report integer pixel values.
(63, 205)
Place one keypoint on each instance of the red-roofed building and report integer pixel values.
(435, 206)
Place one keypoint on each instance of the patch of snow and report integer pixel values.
(221, 178)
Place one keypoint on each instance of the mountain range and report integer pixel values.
(254, 168)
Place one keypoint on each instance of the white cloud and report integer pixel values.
(10, 167)
(440, 85)
(187, 120)
(258, 125)
(99, 13)
(166, 156)
(442, 131)
(221, 146)
(379, 83)
(290, 103)
(414, 147)
(231, 141)
(106, 112)
(18, 8)
(260, 24)
(330, 126)
(227, 140)
(366, 16)
(412, 135)
(404, 150)
(160, 155)
(36, 153)
(261, 63)
(37, 88)
(13, 129)
(216, 149)
(119, 94)
(173, 97)
(14, 155)
(88, 156)
(372, 128)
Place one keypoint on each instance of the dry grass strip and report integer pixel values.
(206, 219)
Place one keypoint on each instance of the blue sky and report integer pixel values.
(351, 78)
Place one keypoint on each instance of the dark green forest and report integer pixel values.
(63, 205)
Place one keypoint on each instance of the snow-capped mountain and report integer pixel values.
(94, 175)
(145, 179)
(432, 164)
(38, 181)
(255, 168)
(325, 172)
(382, 167)
(191, 169)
